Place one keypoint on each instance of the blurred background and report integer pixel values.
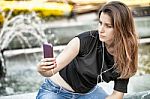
(26, 24)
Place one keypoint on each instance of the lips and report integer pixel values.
(102, 36)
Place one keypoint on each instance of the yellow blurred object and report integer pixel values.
(52, 8)
(46, 8)
(43, 9)
(87, 1)
(134, 2)
(1, 19)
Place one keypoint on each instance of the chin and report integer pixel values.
(103, 40)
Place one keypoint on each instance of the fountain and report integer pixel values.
(19, 32)
(21, 27)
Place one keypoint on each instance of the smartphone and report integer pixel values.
(48, 50)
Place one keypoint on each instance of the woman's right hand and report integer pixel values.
(46, 65)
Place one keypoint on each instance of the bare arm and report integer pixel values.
(48, 66)
(115, 95)
(68, 54)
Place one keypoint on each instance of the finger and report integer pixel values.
(48, 67)
(48, 60)
(44, 68)
(47, 63)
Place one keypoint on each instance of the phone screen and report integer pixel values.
(48, 50)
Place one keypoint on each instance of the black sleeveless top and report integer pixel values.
(81, 73)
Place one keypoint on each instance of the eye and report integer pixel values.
(109, 26)
(100, 23)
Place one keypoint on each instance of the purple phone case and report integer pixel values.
(48, 50)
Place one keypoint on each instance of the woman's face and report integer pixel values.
(105, 28)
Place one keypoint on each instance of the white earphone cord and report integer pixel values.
(101, 72)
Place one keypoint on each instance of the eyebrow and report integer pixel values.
(105, 23)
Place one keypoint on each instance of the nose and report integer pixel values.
(101, 28)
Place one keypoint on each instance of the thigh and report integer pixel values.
(97, 93)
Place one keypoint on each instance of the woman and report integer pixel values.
(109, 54)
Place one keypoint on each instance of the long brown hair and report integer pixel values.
(125, 38)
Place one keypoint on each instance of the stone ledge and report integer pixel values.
(139, 95)
(21, 96)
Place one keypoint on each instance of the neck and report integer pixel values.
(110, 48)
(109, 44)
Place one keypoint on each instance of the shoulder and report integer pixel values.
(88, 34)
(88, 40)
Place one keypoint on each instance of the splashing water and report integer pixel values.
(26, 31)
(22, 27)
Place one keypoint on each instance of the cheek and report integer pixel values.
(111, 34)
